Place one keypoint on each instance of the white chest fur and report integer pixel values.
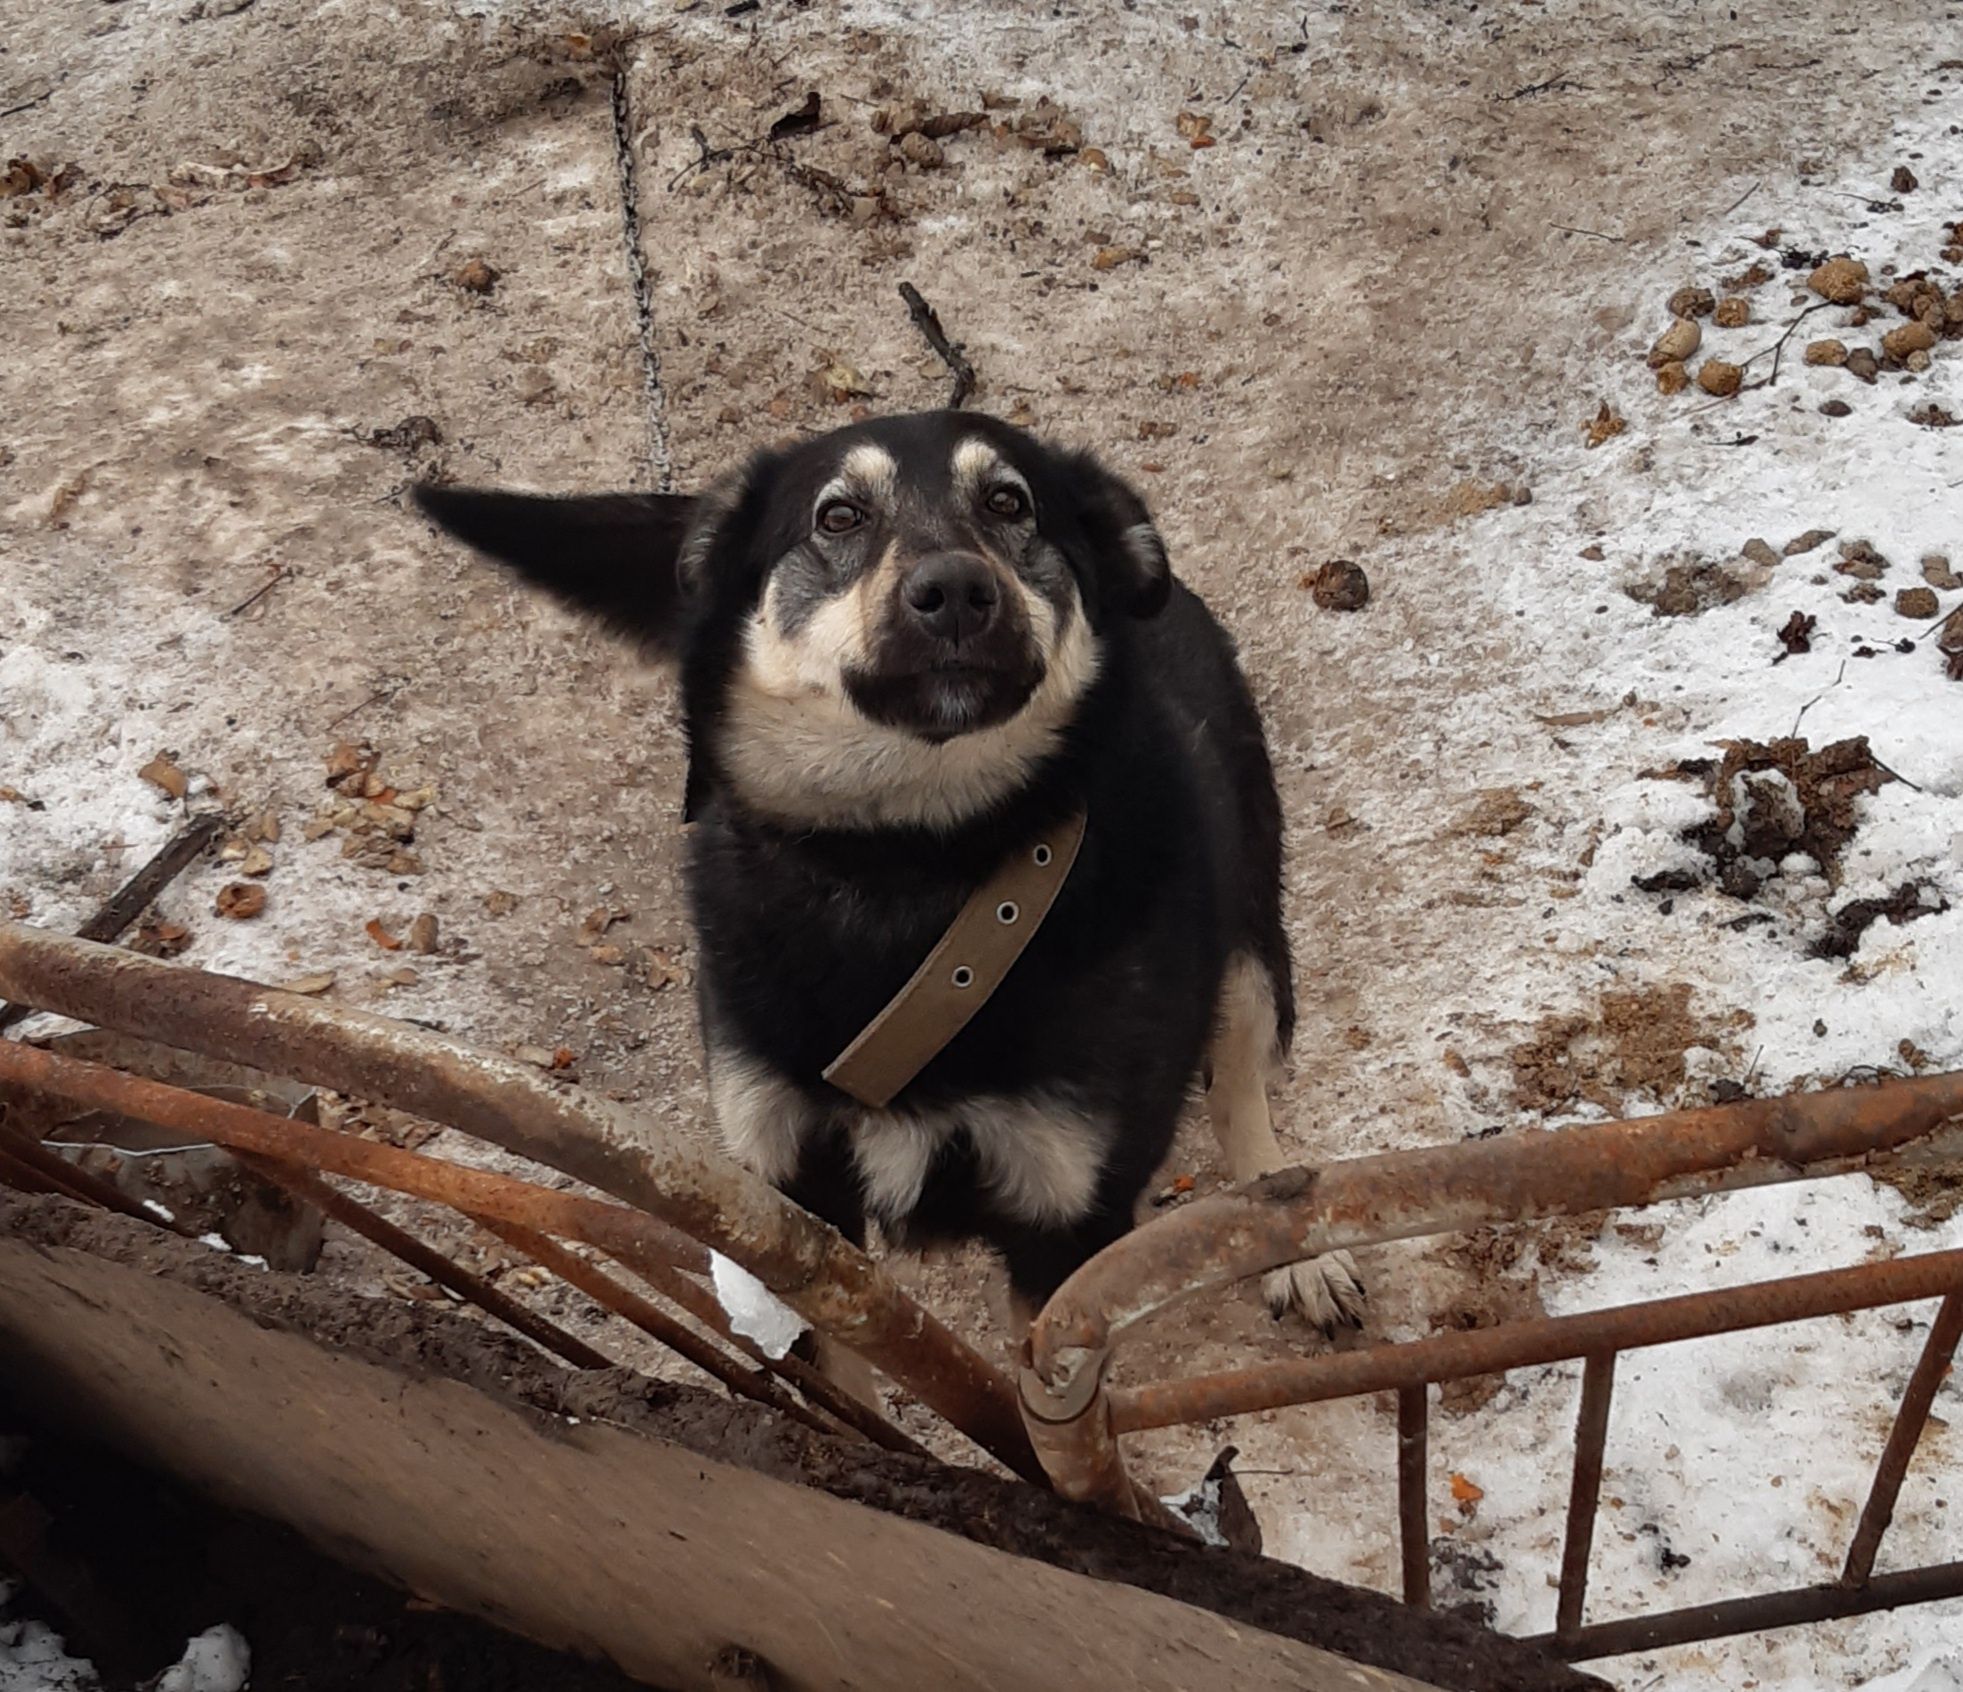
(1037, 1155)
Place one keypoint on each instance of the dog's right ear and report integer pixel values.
(617, 557)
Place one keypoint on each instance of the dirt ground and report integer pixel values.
(1321, 282)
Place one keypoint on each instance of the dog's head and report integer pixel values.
(893, 624)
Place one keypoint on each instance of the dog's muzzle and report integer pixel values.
(956, 654)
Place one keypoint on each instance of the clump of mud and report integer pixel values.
(1781, 808)
(1693, 584)
(1846, 926)
(1775, 798)
(1785, 811)
(1491, 1276)
(1631, 1045)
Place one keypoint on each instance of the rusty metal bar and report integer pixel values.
(1301, 1213)
(240, 1128)
(23, 1177)
(1913, 1415)
(1753, 1615)
(1365, 1201)
(72, 1181)
(330, 1201)
(1097, 1473)
(1543, 1339)
(1585, 1489)
(1413, 1529)
(651, 1319)
(135, 896)
(814, 1269)
(296, 1177)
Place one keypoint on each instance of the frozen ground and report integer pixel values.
(1424, 249)
(33, 1658)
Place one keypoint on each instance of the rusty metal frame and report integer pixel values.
(1068, 1419)
(1077, 1418)
(668, 1190)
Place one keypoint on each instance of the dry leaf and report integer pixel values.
(1465, 1492)
(1606, 424)
(381, 936)
(1195, 128)
(161, 772)
(240, 900)
(311, 985)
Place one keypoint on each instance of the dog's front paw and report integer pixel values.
(1327, 1290)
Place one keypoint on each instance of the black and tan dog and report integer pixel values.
(908, 649)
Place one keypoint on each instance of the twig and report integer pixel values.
(280, 573)
(1874, 202)
(951, 353)
(1897, 774)
(1779, 346)
(374, 698)
(1558, 83)
(705, 157)
(1742, 198)
(1817, 698)
(115, 914)
(42, 98)
(1777, 349)
(1567, 229)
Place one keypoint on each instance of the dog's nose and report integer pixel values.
(952, 596)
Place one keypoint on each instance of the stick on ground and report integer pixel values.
(133, 898)
(928, 321)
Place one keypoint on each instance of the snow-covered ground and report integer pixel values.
(34, 1658)
(1406, 273)
(1734, 1465)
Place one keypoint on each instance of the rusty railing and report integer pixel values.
(1076, 1418)
(677, 1202)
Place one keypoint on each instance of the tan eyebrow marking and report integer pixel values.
(975, 462)
(870, 471)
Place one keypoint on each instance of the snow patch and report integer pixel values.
(754, 1311)
(218, 1660)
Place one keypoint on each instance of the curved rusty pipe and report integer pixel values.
(828, 1281)
(1365, 1201)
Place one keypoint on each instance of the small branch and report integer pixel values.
(1842, 676)
(115, 914)
(280, 573)
(40, 99)
(951, 353)
(1777, 349)
(375, 698)
(1567, 229)
(1559, 83)
(1742, 198)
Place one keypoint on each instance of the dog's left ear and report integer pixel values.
(1134, 573)
(617, 557)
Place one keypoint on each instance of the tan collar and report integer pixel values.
(971, 960)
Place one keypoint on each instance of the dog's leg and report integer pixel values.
(1242, 1058)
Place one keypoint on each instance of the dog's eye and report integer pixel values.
(839, 517)
(1007, 501)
